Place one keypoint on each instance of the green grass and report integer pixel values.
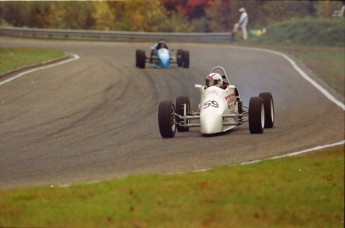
(12, 58)
(306, 32)
(302, 191)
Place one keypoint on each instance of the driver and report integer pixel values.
(161, 44)
(214, 79)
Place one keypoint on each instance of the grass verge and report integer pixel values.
(12, 58)
(302, 191)
(307, 31)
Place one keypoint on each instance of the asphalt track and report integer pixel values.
(96, 118)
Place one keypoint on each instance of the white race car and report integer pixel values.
(220, 109)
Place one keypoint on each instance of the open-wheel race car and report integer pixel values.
(220, 109)
(162, 57)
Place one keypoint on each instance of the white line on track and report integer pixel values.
(297, 153)
(304, 75)
(75, 57)
(244, 163)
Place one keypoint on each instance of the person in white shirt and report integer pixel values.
(242, 23)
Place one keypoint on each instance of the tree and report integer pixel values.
(45, 15)
(76, 15)
(158, 15)
(148, 16)
(282, 10)
(103, 16)
(326, 8)
(222, 15)
(17, 13)
(192, 9)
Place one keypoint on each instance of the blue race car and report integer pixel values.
(161, 56)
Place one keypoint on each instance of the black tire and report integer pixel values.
(185, 59)
(141, 59)
(256, 115)
(179, 57)
(269, 109)
(166, 119)
(137, 58)
(180, 101)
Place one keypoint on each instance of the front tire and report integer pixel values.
(179, 57)
(256, 115)
(180, 101)
(137, 58)
(269, 109)
(166, 119)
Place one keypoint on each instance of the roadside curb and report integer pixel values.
(36, 65)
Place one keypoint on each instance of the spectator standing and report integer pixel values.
(242, 23)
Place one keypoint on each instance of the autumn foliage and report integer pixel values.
(156, 15)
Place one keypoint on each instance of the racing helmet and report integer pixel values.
(161, 44)
(214, 79)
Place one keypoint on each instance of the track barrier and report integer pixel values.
(95, 35)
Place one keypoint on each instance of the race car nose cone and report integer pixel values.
(164, 58)
(165, 62)
(211, 122)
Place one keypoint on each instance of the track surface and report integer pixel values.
(96, 118)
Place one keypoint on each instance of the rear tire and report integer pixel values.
(185, 59)
(269, 109)
(256, 115)
(180, 101)
(166, 119)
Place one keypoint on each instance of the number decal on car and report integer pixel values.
(212, 103)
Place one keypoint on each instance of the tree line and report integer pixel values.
(157, 15)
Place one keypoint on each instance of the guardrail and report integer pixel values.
(96, 35)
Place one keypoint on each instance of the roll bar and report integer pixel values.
(222, 72)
